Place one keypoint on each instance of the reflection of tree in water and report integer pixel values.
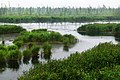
(13, 64)
(117, 35)
(92, 33)
(2, 66)
(26, 60)
(35, 60)
(46, 56)
(66, 48)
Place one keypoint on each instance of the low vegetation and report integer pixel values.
(9, 53)
(41, 36)
(8, 29)
(100, 29)
(99, 63)
(52, 19)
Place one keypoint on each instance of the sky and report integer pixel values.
(60, 3)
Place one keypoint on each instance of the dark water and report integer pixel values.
(13, 70)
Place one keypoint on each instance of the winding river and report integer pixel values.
(84, 42)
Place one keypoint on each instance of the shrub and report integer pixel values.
(100, 63)
(39, 30)
(27, 53)
(46, 48)
(2, 56)
(99, 29)
(34, 50)
(7, 29)
(2, 47)
(19, 44)
(44, 36)
(13, 47)
(13, 55)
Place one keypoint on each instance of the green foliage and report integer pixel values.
(7, 29)
(100, 29)
(104, 55)
(99, 63)
(9, 53)
(46, 48)
(30, 44)
(3, 47)
(13, 55)
(110, 73)
(69, 38)
(2, 56)
(19, 44)
(66, 42)
(27, 53)
(13, 47)
(34, 50)
(44, 36)
(39, 30)
(48, 14)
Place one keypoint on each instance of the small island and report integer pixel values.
(100, 29)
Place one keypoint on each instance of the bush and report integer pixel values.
(99, 63)
(110, 73)
(13, 55)
(19, 44)
(7, 29)
(43, 36)
(27, 53)
(39, 30)
(13, 47)
(69, 38)
(99, 29)
(46, 48)
(2, 56)
(2, 47)
(34, 50)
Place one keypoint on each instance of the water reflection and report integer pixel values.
(13, 64)
(116, 35)
(46, 56)
(35, 59)
(26, 60)
(96, 33)
(66, 48)
(3, 66)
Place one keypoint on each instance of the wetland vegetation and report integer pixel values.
(10, 29)
(100, 62)
(63, 14)
(100, 29)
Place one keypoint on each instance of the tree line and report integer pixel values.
(100, 13)
(64, 11)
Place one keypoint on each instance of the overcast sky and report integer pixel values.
(61, 3)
